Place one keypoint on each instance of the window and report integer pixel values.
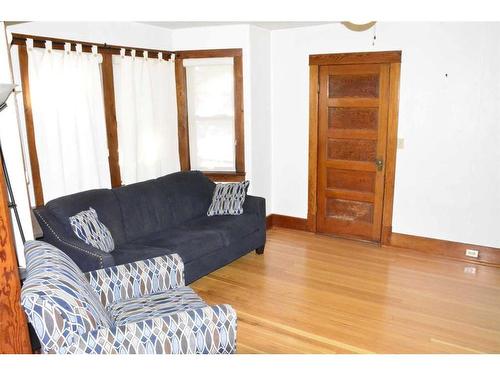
(209, 94)
(210, 97)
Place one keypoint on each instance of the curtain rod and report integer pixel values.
(39, 41)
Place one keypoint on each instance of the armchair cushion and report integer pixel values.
(137, 279)
(155, 305)
(57, 298)
(207, 330)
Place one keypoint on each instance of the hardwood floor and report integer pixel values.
(310, 293)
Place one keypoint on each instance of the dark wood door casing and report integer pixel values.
(350, 111)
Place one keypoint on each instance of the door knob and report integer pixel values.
(380, 164)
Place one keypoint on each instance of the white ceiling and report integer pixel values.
(264, 25)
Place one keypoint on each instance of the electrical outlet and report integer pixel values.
(401, 143)
(472, 253)
(470, 269)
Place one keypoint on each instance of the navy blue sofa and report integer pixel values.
(157, 217)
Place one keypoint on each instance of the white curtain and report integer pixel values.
(68, 115)
(146, 111)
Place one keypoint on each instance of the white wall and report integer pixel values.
(255, 43)
(448, 174)
(260, 65)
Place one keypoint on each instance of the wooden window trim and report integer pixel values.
(30, 129)
(182, 110)
(394, 59)
(226, 176)
(108, 89)
(107, 49)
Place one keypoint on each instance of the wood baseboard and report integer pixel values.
(449, 249)
(283, 221)
(443, 248)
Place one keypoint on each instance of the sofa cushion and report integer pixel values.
(128, 253)
(150, 206)
(230, 228)
(189, 243)
(87, 227)
(228, 199)
(189, 194)
(57, 290)
(202, 235)
(102, 200)
(155, 305)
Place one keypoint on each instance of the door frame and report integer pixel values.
(386, 57)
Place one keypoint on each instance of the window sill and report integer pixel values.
(225, 176)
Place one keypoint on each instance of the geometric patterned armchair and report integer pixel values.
(140, 307)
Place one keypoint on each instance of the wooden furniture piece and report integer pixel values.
(353, 130)
(14, 336)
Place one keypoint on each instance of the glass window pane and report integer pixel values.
(211, 144)
(210, 101)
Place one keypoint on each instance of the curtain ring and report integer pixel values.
(48, 45)
(94, 50)
(79, 48)
(29, 43)
(132, 53)
(122, 52)
(160, 56)
(145, 55)
(67, 48)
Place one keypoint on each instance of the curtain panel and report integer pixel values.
(68, 115)
(146, 113)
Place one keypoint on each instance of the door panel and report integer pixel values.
(352, 119)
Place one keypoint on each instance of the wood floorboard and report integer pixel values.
(312, 293)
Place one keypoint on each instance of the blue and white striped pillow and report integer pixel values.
(228, 199)
(90, 230)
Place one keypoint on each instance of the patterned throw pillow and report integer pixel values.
(90, 230)
(228, 199)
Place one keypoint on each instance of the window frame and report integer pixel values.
(182, 111)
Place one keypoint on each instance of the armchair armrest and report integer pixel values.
(207, 330)
(87, 257)
(256, 205)
(137, 279)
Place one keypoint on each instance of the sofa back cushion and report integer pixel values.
(103, 201)
(163, 203)
(57, 298)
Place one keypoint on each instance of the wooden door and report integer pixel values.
(352, 133)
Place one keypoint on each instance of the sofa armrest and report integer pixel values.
(207, 330)
(85, 256)
(256, 205)
(137, 279)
